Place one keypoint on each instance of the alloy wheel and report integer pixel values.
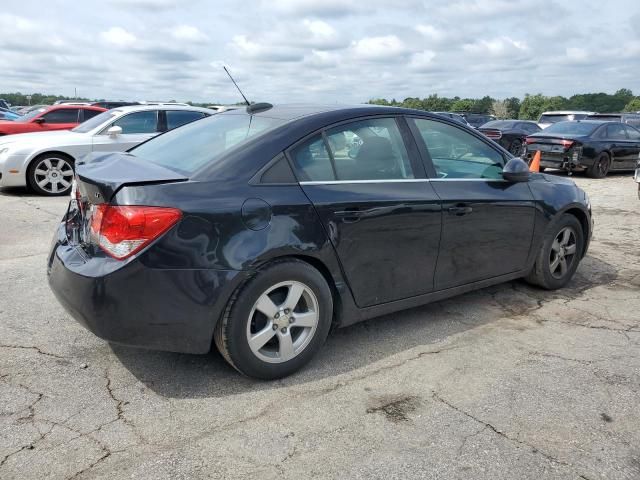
(53, 175)
(603, 165)
(282, 322)
(563, 252)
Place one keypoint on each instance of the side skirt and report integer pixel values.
(351, 316)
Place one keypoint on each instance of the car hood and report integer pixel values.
(51, 139)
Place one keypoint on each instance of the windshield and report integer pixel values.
(554, 118)
(572, 128)
(188, 148)
(30, 115)
(499, 124)
(94, 122)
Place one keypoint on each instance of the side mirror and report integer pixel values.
(114, 131)
(39, 120)
(516, 170)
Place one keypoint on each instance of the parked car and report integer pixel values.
(549, 118)
(636, 175)
(45, 161)
(476, 120)
(455, 116)
(257, 229)
(593, 146)
(8, 114)
(4, 103)
(632, 119)
(510, 134)
(55, 117)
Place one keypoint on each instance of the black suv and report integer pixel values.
(632, 119)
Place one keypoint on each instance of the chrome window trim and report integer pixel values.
(407, 180)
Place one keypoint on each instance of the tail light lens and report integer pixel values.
(122, 231)
(530, 140)
(567, 143)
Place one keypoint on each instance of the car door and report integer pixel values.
(619, 145)
(487, 222)
(633, 137)
(137, 127)
(379, 211)
(60, 119)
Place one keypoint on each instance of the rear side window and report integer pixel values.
(312, 161)
(456, 153)
(177, 118)
(370, 149)
(87, 114)
(139, 122)
(62, 115)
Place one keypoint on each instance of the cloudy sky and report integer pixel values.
(318, 50)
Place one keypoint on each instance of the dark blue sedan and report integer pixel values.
(258, 229)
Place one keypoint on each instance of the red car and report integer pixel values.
(55, 117)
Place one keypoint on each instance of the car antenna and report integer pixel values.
(251, 108)
(234, 82)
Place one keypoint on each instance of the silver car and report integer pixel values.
(44, 160)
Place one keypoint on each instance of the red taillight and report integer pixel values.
(530, 140)
(567, 143)
(122, 231)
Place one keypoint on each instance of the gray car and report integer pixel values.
(44, 161)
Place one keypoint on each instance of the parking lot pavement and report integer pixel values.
(508, 382)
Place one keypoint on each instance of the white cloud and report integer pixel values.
(577, 54)
(430, 32)
(379, 48)
(502, 46)
(422, 61)
(188, 33)
(118, 36)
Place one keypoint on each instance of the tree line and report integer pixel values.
(529, 108)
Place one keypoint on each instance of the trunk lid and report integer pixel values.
(100, 175)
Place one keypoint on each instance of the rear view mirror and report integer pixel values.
(516, 170)
(114, 131)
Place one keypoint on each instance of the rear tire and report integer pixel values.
(515, 148)
(51, 174)
(299, 310)
(559, 254)
(600, 167)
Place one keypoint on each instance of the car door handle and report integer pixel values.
(460, 210)
(350, 213)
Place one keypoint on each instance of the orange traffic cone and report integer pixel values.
(534, 166)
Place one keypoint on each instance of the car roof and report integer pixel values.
(566, 112)
(293, 111)
(164, 106)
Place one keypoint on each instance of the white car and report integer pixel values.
(44, 160)
(549, 118)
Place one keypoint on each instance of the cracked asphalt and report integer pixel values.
(503, 383)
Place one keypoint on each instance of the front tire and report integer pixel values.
(559, 254)
(600, 167)
(51, 174)
(277, 321)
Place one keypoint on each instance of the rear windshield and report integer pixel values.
(188, 148)
(572, 128)
(499, 124)
(554, 118)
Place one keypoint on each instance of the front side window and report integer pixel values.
(88, 114)
(177, 118)
(62, 115)
(616, 131)
(632, 133)
(138, 122)
(95, 121)
(455, 153)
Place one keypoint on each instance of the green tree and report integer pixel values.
(463, 105)
(633, 105)
(513, 107)
(533, 105)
